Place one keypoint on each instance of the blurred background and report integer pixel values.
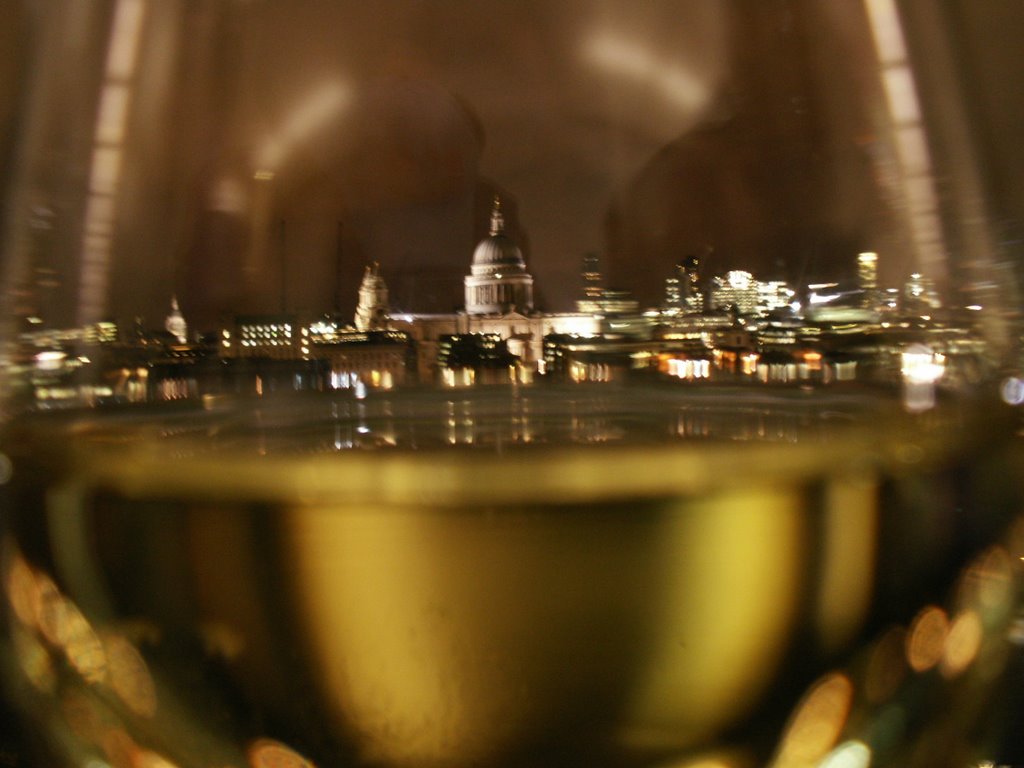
(747, 133)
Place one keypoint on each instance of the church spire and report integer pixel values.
(497, 218)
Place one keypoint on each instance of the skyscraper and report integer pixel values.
(867, 278)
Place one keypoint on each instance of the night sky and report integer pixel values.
(751, 132)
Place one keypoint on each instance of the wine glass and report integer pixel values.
(467, 384)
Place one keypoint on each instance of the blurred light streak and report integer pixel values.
(817, 723)
(106, 165)
(99, 216)
(926, 642)
(113, 113)
(313, 113)
(124, 39)
(677, 85)
(106, 170)
(908, 134)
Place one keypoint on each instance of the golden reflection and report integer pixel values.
(849, 558)
(144, 758)
(886, 666)
(34, 660)
(267, 753)
(83, 717)
(725, 759)
(23, 591)
(962, 643)
(119, 747)
(850, 754)
(729, 608)
(926, 642)
(124, 39)
(817, 723)
(129, 676)
(82, 646)
(401, 609)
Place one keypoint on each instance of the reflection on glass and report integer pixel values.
(547, 383)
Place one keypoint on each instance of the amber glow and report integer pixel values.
(850, 754)
(962, 644)
(926, 642)
(129, 676)
(23, 591)
(34, 660)
(144, 758)
(266, 753)
(81, 644)
(848, 560)
(731, 601)
(635, 61)
(313, 113)
(817, 723)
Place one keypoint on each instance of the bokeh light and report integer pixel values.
(817, 723)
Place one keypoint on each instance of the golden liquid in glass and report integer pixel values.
(479, 579)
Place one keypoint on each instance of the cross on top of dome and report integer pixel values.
(497, 218)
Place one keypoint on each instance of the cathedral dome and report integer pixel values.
(497, 251)
(498, 282)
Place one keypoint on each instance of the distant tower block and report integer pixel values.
(372, 310)
(498, 282)
(867, 277)
(175, 323)
(590, 275)
(693, 299)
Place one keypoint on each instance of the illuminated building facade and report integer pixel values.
(593, 282)
(738, 289)
(867, 278)
(269, 336)
(498, 282)
(379, 359)
(773, 295)
(175, 323)
(919, 295)
(372, 309)
(693, 297)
